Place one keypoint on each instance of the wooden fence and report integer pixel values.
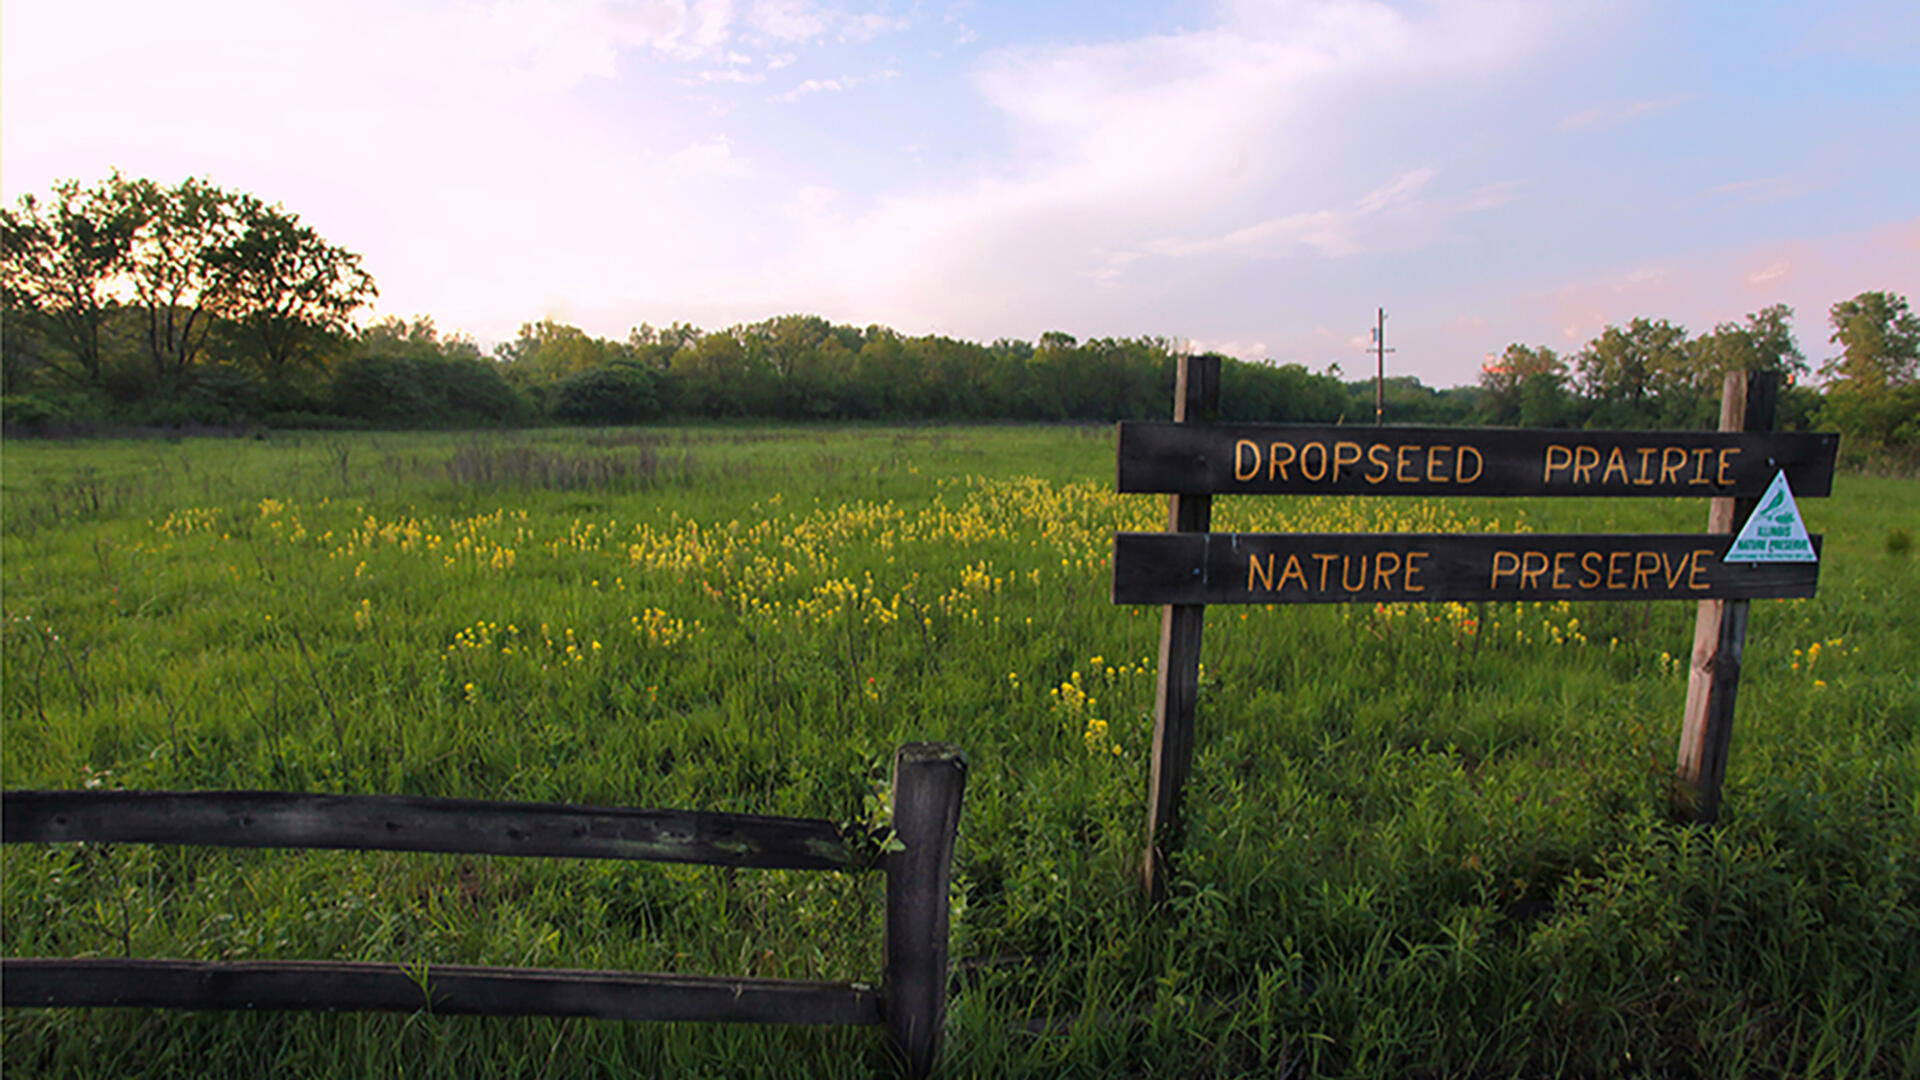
(928, 782)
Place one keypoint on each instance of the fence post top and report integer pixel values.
(930, 753)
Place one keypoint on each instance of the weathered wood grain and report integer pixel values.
(929, 781)
(275, 819)
(452, 989)
(1747, 403)
(1176, 692)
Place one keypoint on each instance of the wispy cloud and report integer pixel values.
(1764, 189)
(787, 20)
(860, 29)
(833, 85)
(1612, 115)
(1392, 216)
(724, 75)
(1775, 271)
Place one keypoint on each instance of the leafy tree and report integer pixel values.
(719, 376)
(177, 276)
(1286, 394)
(656, 348)
(546, 352)
(1874, 384)
(57, 269)
(286, 292)
(1764, 343)
(1625, 373)
(1525, 386)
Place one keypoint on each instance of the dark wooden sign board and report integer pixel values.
(1345, 568)
(1289, 459)
(1188, 567)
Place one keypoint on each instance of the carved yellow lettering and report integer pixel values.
(1512, 560)
(1277, 465)
(1589, 561)
(1645, 452)
(1529, 571)
(1308, 449)
(1293, 571)
(1645, 565)
(1615, 460)
(1460, 465)
(1383, 570)
(1353, 586)
(1726, 459)
(1565, 456)
(1400, 464)
(1700, 555)
(1558, 558)
(1324, 561)
(1434, 462)
(1340, 457)
(1377, 462)
(1672, 460)
(1614, 571)
(1264, 574)
(1671, 570)
(1700, 457)
(1585, 459)
(1412, 570)
(1240, 449)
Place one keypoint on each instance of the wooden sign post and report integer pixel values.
(1196, 399)
(1189, 567)
(1720, 632)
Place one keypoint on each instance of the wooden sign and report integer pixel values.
(1188, 567)
(1288, 459)
(1344, 568)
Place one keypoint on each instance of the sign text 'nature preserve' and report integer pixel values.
(1340, 568)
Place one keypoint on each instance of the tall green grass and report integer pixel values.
(1422, 840)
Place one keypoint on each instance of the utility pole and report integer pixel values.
(1380, 351)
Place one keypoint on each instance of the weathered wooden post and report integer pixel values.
(1720, 632)
(928, 782)
(1196, 399)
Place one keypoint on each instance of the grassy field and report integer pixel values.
(1423, 840)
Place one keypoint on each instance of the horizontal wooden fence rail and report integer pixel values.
(929, 781)
(280, 819)
(337, 986)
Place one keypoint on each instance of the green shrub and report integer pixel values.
(420, 390)
(615, 394)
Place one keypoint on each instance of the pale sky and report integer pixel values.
(1251, 177)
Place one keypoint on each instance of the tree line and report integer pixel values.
(130, 302)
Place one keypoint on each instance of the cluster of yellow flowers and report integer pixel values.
(187, 521)
(1520, 623)
(1075, 702)
(657, 628)
(1809, 656)
(546, 650)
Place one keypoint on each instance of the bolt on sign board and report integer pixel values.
(1741, 467)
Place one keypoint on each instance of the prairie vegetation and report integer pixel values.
(1426, 840)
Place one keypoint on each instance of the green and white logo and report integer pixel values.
(1774, 532)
